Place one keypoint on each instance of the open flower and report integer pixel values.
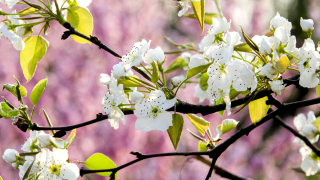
(278, 21)
(134, 57)
(32, 143)
(154, 55)
(112, 100)
(54, 165)
(310, 164)
(9, 3)
(151, 113)
(305, 127)
(277, 86)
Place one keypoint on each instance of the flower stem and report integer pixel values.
(219, 8)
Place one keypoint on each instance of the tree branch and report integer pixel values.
(303, 138)
(141, 157)
(220, 171)
(219, 149)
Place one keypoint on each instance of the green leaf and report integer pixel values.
(282, 64)
(81, 19)
(317, 123)
(70, 138)
(258, 109)
(176, 64)
(207, 17)
(129, 83)
(12, 88)
(155, 72)
(35, 48)
(26, 175)
(220, 101)
(234, 93)
(194, 71)
(198, 9)
(100, 161)
(226, 126)
(175, 130)
(37, 91)
(204, 81)
(198, 122)
(7, 112)
(243, 47)
(318, 91)
(202, 146)
(1, 178)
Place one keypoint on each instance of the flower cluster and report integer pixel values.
(151, 113)
(46, 164)
(305, 125)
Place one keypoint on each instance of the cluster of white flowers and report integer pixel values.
(310, 161)
(46, 164)
(151, 113)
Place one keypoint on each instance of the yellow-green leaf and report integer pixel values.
(35, 48)
(155, 72)
(198, 9)
(207, 17)
(1, 178)
(282, 64)
(243, 47)
(81, 19)
(37, 91)
(202, 146)
(204, 81)
(100, 161)
(177, 64)
(175, 130)
(317, 123)
(70, 138)
(226, 126)
(12, 88)
(258, 109)
(201, 124)
(194, 71)
(129, 83)
(24, 12)
(220, 101)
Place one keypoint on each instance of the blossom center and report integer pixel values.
(155, 111)
(55, 169)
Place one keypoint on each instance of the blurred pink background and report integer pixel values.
(74, 92)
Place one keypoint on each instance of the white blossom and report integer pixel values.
(309, 165)
(23, 168)
(242, 75)
(136, 97)
(186, 56)
(216, 94)
(10, 155)
(175, 81)
(305, 127)
(9, 3)
(54, 165)
(48, 140)
(151, 113)
(278, 21)
(309, 63)
(119, 71)
(32, 143)
(307, 25)
(134, 57)
(105, 79)
(112, 99)
(185, 6)
(277, 86)
(154, 55)
(16, 40)
(197, 60)
(269, 71)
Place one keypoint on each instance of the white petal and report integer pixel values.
(309, 166)
(163, 121)
(60, 155)
(145, 124)
(300, 121)
(70, 171)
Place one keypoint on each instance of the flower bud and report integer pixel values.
(277, 86)
(175, 81)
(307, 25)
(136, 97)
(10, 155)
